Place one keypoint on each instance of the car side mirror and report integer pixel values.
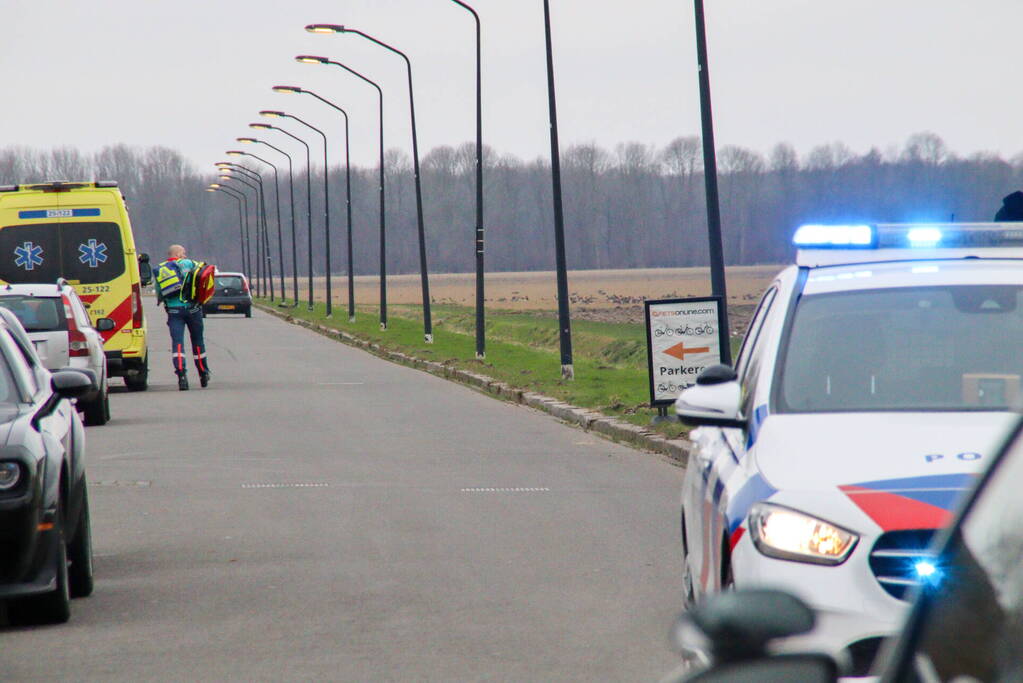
(713, 401)
(145, 270)
(71, 383)
(105, 324)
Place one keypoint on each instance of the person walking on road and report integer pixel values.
(181, 313)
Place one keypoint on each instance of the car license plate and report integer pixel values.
(227, 307)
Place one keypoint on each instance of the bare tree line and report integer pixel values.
(631, 207)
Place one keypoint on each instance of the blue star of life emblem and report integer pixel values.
(29, 255)
(92, 253)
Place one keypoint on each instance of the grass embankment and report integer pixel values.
(522, 351)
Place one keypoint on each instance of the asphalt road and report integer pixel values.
(320, 514)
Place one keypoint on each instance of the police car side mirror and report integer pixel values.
(714, 401)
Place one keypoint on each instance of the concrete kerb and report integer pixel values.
(609, 427)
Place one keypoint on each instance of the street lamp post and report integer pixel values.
(238, 197)
(564, 321)
(348, 189)
(309, 59)
(263, 241)
(481, 343)
(277, 196)
(228, 174)
(291, 194)
(424, 274)
(309, 208)
(326, 206)
(222, 167)
(267, 254)
(710, 178)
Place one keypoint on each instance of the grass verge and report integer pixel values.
(522, 351)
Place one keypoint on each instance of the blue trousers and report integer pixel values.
(177, 320)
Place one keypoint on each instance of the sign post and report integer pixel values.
(683, 337)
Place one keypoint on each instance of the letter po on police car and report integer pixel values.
(684, 337)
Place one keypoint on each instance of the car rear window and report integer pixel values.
(86, 252)
(229, 281)
(36, 313)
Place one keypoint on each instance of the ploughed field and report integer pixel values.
(614, 296)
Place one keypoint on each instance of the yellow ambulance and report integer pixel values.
(80, 231)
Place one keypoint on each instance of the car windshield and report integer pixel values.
(229, 281)
(921, 348)
(36, 314)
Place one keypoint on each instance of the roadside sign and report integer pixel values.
(683, 336)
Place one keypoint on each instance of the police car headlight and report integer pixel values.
(789, 535)
(10, 475)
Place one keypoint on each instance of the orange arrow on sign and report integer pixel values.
(679, 350)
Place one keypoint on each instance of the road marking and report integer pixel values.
(319, 485)
(119, 483)
(340, 384)
(520, 489)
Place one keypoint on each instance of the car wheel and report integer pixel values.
(248, 312)
(97, 411)
(49, 608)
(139, 381)
(80, 553)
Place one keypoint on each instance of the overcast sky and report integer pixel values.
(191, 74)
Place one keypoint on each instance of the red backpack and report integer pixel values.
(199, 283)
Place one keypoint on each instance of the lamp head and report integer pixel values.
(261, 126)
(226, 177)
(236, 153)
(211, 189)
(247, 141)
(286, 89)
(325, 28)
(311, 59)
(223, 164)
(272, 113)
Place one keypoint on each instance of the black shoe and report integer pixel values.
(204, 379)
(183, 382)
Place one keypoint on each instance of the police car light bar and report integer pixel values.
(835, 237)
(906, 241)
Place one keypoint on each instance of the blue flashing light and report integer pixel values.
(925, 569)
(835, 237)
(924, 237)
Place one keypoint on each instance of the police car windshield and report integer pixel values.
(921, 348)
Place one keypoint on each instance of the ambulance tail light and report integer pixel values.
(136, 306)
(78, 345)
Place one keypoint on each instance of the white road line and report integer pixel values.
(339, 384)
(520, 489)
(319, 485)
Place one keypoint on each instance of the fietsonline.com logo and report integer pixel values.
(682, 311)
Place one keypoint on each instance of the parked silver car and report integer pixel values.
(58, 324)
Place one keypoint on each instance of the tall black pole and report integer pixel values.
(280, 239)
(710, 175)
(258, 189)
(326, 218)
(280, 245)
(245, 231)
(424, 274)
(564, 321)
(481, 329)
(263, 241)
(383, 204)
(241, 229)
(348, 200)
(309, 215)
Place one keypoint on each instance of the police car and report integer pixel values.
(875, 380)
